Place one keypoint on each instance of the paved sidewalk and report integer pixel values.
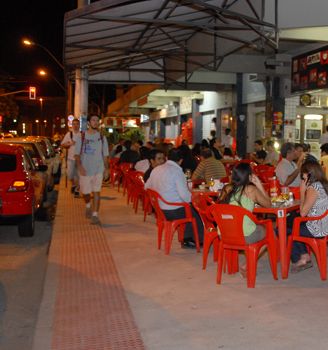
(173, 302)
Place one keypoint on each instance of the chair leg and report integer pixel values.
(319, 247)
(168, 237)
(181, 229)
(220, 263)
(273, 259)
(215, 248)
(160, 227)
(195, 232)
(289, 251)
(251, 258)
(206, 248)
(323, 258)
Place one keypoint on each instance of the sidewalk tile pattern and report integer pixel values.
(91, 309)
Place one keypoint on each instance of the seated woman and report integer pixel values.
(314, 202)
(245, 190)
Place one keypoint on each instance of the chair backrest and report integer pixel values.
(154, 198)
(137, 179)
(201, 203)
(229, 219)
(125, 167)
(113, 161)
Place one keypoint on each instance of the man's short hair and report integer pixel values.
(270, 143)
(127, 144)
(91, 116)
(75, 120)
(285, 148)
(153, 153)
(261, 154)
(206, 153)
(324, 148)
(259, 142)
(175, 155)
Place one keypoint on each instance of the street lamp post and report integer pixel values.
(44, 73)
(33, 43)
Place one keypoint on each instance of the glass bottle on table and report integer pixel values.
(211, 182)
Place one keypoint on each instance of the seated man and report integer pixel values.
(287, 170)
(169, 181)
(272, 156)
(129, 155)
(260, 154)
(156, 157)
(209, 167)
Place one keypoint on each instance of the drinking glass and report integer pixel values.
(285, 193)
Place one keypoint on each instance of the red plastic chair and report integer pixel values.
(201, 202)
(169, 227)
(229, 219)
(124, 168)
(138, 190)
(114, 171)
(317, 245)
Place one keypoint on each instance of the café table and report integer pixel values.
(280, 210)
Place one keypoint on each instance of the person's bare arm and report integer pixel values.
(79, 165)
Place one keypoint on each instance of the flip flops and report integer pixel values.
(296, 269)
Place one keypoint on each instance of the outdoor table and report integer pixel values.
(206, 191)
(280, 210)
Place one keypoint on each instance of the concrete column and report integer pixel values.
(81, 95)
(197, 123)
(69, 103)
(241, 116)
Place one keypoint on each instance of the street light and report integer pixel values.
(28, 42)
(44, 73)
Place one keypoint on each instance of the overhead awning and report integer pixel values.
(162, 41)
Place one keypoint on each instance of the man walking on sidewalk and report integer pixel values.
(91, 154)
(69, 142)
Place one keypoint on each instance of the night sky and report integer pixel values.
(42, 21)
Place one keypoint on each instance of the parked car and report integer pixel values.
(51, 155)
(22, 188)
(36, 153)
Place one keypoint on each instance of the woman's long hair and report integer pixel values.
(315, 174)
(239, 180)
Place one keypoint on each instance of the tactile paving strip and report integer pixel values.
(91, 310)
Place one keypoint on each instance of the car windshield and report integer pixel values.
(7, 162)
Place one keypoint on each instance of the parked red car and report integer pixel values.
(22, 188)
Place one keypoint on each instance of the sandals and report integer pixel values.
(299, 268)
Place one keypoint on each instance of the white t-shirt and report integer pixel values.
(284, 169)
(71, 149)
(142, 165)
(227, 141)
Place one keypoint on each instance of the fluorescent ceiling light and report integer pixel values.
(313, 117)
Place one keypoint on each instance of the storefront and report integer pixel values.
(309, 82)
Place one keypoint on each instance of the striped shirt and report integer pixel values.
(318, 228)
(209, 168)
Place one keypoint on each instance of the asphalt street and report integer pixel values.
(23, 263)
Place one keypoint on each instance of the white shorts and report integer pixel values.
(90, 184)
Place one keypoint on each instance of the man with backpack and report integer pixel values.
(69, 142)
(91, 154)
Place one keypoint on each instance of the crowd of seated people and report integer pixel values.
(164, 165)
